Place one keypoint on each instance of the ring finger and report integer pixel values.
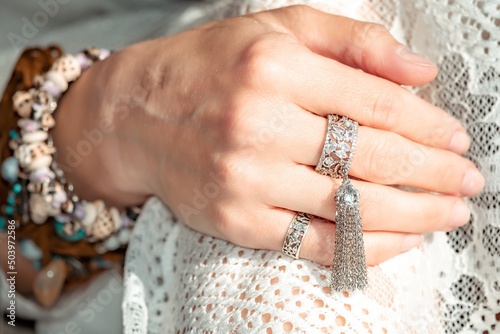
(383, 208)
(319, 241)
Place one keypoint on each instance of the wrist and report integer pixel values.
(99, 156)
(148, 110)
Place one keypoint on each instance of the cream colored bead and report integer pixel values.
(68, 66)
(22, 102)
(23, 155)
(38, 80)
(115, 216)
(90, 215)
(112, 243)
(47, 121)
(34, 137)
(21, 123)
(40, 210)
(58, 79)
(34, 156)
(124, 236)
(103, 226)
(40, 162)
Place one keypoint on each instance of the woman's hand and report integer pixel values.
(226, 122)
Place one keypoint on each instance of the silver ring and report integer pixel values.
(340, 143)
(295, 235)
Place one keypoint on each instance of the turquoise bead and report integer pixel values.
(101, 263)
(11, 200)
(17, 188)
(77, 236)
(3, 223)
(9, 210)
(10, 169)
(13, 134)
(30, 250)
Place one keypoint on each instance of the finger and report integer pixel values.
(383, 208)
(334, 88)
(318, 244)
(363, 45)
(385, 158)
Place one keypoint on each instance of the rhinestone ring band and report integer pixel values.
(340, 143)
(295, 235)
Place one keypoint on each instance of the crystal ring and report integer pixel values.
(295, 235)
(340, 143)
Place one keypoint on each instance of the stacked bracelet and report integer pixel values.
(39, 187)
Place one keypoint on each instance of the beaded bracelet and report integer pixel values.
(39, 187)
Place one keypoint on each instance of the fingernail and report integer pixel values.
(411, 241)
(460, 215)
(472, 183)
(414, 58)
(460, 142)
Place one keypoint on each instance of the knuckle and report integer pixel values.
(383, 158)
(433, 215)
(221, 219)
(300, 9)
(362, 33)
(324, 251)
(259, 64)
(238, 173)
(449, 172)
(237, 125)
(234, 224)
(319, 249)
(247, 124)
(227, 168)
(383, 109)
(225, 221)
(453, 172)
(375, 202)
(378, 251)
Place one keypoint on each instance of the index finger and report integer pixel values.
(324, 86)
(318, 80)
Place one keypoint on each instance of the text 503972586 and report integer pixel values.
(11, 273)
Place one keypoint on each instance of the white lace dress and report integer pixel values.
(178, 280)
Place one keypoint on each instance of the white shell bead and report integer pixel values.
(90, 214)
(41, 162)
(22, 102)
(124, 236)
(58, 79)
(34, 137)
(112, 243)
(115, 215)
(68, 66)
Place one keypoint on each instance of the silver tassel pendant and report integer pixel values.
(349, 263)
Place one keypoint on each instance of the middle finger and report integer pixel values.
(386, 158)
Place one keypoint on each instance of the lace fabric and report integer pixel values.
(178, 280)
(466, 261)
